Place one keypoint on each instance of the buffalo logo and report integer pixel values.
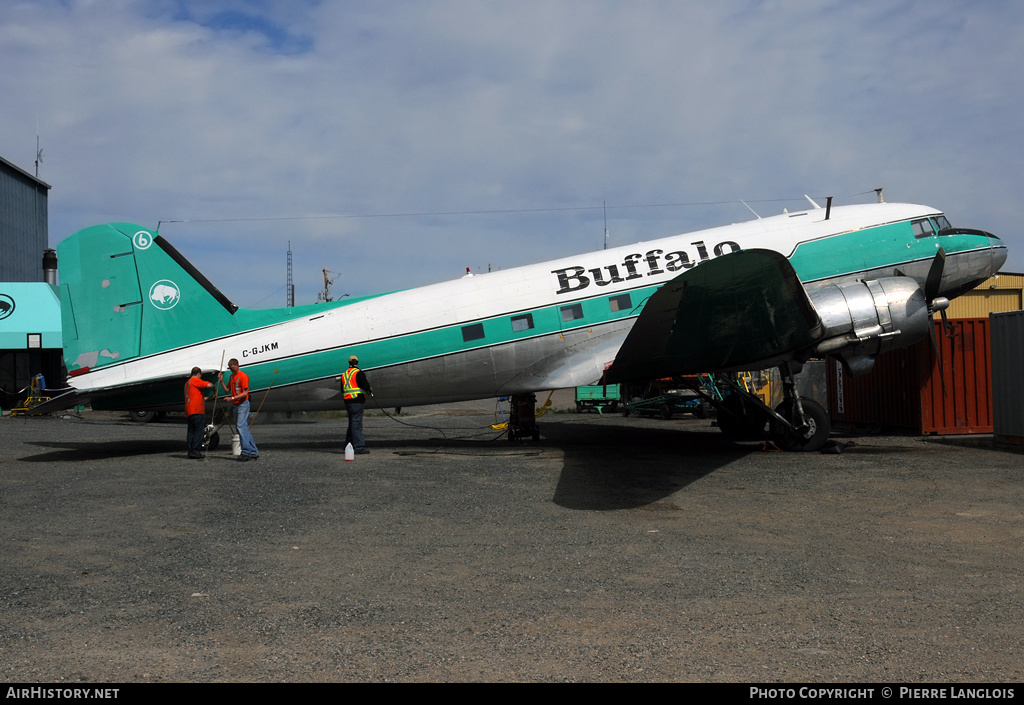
(164, 294)
(6, 306)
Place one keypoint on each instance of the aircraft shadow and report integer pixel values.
(605, 466)
(101, 450)
(611, 467)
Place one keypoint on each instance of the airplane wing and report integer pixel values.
(745, 310)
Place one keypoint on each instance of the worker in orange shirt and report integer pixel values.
(195, 410)
(238, 394)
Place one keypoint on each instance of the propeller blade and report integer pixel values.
(934, 280)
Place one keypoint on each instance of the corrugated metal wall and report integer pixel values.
(958, 399)
(1003, 292)
(887, 396)
(23, 224)
(1008, 371)
(906, 389)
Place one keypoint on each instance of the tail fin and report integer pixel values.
(125, 292)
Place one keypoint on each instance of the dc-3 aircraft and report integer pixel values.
(852, 281)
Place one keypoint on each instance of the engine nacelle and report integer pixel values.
(867, 318)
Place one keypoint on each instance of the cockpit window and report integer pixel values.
(941, 221)
(923, 228)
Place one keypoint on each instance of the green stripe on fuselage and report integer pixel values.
(440, 341)
(874, 248)
(860, 250)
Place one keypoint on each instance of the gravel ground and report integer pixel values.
(612, 550)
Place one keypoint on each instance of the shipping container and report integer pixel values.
(1008, 371)
(913, 390)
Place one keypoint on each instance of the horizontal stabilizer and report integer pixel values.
(155, 393)
(59, 403)
(744, 310)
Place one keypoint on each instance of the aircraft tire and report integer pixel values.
(142, 416)
(214, 441)
(820, 426)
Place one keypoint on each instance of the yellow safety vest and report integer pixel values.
(351, 388)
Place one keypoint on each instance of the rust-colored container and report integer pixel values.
(907, 390)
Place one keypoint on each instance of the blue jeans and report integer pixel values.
(355, 425)
(240, 419)
(196, 431)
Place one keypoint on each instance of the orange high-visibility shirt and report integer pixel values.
(194, 401)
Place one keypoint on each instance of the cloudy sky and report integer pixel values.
(398, 143)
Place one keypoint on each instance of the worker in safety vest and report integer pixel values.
(355, 388)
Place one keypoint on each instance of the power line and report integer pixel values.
(496, 211)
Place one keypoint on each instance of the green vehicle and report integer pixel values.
(597, 396)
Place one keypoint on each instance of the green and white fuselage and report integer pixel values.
(137, 315)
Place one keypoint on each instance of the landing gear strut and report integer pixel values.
(796, 424)
(522, 418)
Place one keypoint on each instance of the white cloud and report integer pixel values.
(220, 110)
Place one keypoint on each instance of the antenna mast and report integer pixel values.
(290, 285)
(39, 152)
(325, 295)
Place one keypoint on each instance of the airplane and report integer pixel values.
(852, 281)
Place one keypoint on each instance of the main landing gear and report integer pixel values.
(797, 424)
(522, 418)
(211, 438)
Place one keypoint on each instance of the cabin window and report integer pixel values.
(923, 228)
(473, 332)
(572, 312)
(622, 302)
(521, 323)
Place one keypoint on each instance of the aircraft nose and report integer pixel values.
(999, 253)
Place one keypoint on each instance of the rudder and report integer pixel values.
(126, 292)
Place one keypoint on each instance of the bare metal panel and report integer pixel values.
(543, 362)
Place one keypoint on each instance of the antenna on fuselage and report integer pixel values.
(878, 194)
(750, 209)
(816, 206)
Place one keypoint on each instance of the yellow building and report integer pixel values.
(998, 293)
